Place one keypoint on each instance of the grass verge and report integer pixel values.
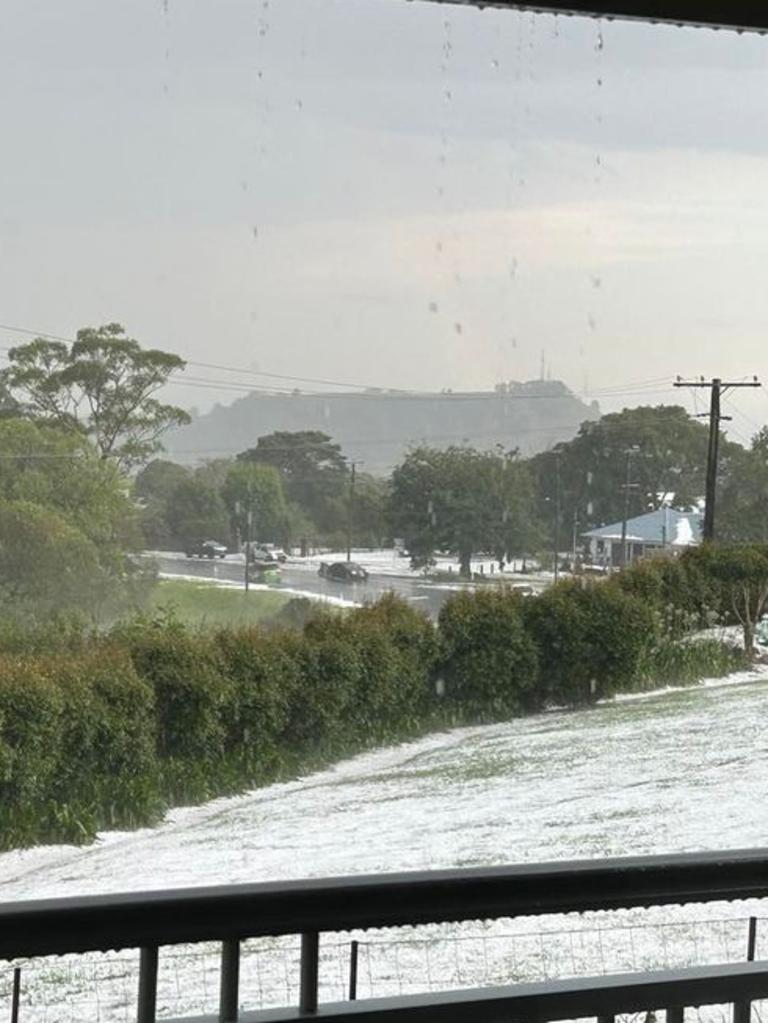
(205, 604)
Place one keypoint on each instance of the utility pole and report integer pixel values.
(350, 509)
(718, 388)
(248, 536)
(627, 487)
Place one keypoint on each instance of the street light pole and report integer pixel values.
(350, 509)
(248, 536)
(627, 487)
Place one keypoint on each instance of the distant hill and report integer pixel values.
(377, 427)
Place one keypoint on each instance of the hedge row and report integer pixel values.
(107, 731)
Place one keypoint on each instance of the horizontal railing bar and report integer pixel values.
(137, 919)
(731, 14)
(540, 1002)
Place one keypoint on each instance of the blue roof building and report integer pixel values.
(665, 529)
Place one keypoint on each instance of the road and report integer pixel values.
(302, 578)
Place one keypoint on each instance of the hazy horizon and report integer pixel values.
(389, 193)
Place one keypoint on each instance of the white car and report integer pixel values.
(277, 552)
(268, 553)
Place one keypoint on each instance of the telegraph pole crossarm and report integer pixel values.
(718, 388)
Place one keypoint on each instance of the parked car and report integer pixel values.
(206, 549)
(275, 551)
(258, 552)
(343, 572)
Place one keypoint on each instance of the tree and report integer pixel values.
(667, 465)
(46, 563)
(101, 386)
(461, 500)
(742, 571)
(152, 488)
(743, 500)
(62, 472)
(314, 473)
(258, 489)
(68, 526)
(370, 511)
(196, 512)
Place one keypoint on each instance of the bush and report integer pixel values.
(684, 596)
(488, 659)
(186, 674)
(591, 639)
(76, 746)
(683, 663)
(397, 648)
(265, 681)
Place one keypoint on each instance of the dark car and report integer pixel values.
(206, 549)
(343, 572)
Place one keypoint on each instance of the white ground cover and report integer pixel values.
(680, 770)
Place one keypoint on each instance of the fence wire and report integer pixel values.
(102, 987)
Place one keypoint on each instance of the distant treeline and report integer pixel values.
(102, 731)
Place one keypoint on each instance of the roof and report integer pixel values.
(665, 525)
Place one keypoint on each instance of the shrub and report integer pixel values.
(397, 648)
(591, 639)
(185, 671)
(678, 662)
(489, 661)
(76, 746)
(265, 676)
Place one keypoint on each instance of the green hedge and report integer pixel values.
(591, 639)
(489, 659)
(77, 749)
(102, 732)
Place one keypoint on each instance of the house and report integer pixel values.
(665, 529)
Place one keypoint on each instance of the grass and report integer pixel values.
(205, 604)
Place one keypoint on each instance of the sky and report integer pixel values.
(391, 193)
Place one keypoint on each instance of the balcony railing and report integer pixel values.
(738, 14)
(152, 921)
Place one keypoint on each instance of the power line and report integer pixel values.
(628, 389)
(210, 365)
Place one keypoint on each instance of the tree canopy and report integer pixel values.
(257, 490)
(742, 506)
(102, 386)
(67, 527)
(314, 473)
(463, 501)
(667, 465)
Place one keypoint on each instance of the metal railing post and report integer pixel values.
(310, 954)
(676, 1014)
(742, 1011)
(16, 995)
(147, 1007)
(752, 939)
(353, 957)
(229, 994)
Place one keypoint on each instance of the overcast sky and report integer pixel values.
(393, 193)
